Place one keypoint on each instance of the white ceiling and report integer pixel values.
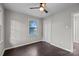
(24, 8)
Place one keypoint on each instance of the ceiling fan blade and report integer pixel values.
(45, 11)
(35, 8)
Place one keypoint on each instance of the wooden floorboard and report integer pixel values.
(37, 49)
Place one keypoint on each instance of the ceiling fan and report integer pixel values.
(42, 7)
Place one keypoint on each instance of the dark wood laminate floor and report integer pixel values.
(76, 49)
(37, 49)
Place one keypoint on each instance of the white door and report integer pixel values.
(76, 28)
(47, 30)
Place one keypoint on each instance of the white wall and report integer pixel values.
(17, 30)
(1, 31)
(58, 28)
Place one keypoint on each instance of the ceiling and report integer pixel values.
(24, 8)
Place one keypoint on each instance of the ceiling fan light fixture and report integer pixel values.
(43, 4)
(41, 9)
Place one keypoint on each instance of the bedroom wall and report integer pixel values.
(58, 28)
(17, 30)
(1, 30)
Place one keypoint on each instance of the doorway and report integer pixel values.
(76, 35)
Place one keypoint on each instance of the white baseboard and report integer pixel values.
(60, 47)
(21, 45)
(2, 53)
(2, 48)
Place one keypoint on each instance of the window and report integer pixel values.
(32, 27)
